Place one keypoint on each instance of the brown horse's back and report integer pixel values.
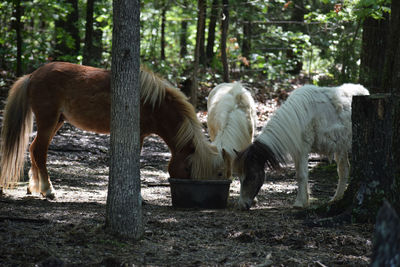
(78, 94)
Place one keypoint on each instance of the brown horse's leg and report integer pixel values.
(33, 186)
(39, 178)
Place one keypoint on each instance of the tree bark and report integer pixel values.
(182, 38)
(183, 34)
(93, 49)
(374, 41)
(202, 49)
(97, 47)
(391, 74)
(17, 26)
(246, 43)
(88, 33)
(375, 172)
(163, 19)
(224, 36)
(298, 11)
(124, 203)
(211, 31)
(200, 24)
(376, 154)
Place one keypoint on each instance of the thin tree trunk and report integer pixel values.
(211, 31)
(200, 24)
(202, 51)
(124, 204)
(97, 51)
(224, 35)
(163, 19)
(246, 43)
(17, 25)
(374, 42)
(88, 33)
(183, 35)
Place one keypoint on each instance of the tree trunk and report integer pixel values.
(65, 50)
(376, 154)
(374, 41)
(202, 49)
(383, 133)
(163, 19)
(17, 26)
(93, 49)
(298, 12)
(211, 31)
(386, 249)
(246, 43)
(183, 34)
(88, 33)
(200, 24)
(375, 174)
(124, 203)
(224, 36)
(97, 47)
(391, 74)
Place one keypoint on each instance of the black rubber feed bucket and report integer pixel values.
(205, 194)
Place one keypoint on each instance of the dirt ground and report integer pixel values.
(69, 231)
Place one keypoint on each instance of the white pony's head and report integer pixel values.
(250, 164)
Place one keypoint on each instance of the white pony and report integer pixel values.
(313, 119)
(231, 118)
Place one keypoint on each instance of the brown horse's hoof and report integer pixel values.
(28, 191)
(49, 195)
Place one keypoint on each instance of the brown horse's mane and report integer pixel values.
(153, 91)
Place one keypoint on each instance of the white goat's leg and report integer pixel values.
(301, 165)
(343, 167)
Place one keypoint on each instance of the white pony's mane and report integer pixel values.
(284, 133)
(231, 117)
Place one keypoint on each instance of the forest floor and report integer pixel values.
(69, 231)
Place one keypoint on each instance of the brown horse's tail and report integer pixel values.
(17, 126)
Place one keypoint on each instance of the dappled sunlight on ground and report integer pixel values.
(71, 227)
(270, 233)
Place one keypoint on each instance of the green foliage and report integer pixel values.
(39, 33)
(326, 48)
(374, 8)
(339, 44)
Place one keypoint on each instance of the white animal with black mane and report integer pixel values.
(231, 118)
(313, 119)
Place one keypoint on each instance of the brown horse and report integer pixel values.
(59, 92)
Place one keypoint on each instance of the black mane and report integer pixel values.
(263, 153)
(260, 153)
